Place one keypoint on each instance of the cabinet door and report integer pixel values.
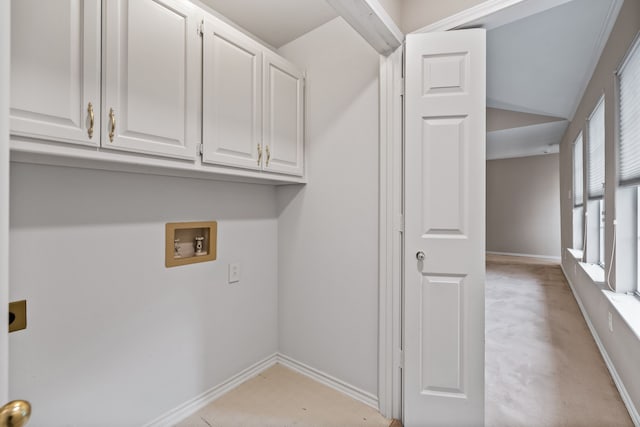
(55, 69)
(232, 87)
(151, 77)
(283, 117)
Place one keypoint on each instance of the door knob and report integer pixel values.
(420, 256)
(15, 413)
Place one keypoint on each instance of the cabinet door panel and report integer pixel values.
(151, 75)
(55, 69)
(232, 86)
(283, 116)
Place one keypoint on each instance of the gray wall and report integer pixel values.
(523, 205)
(622, 344)
(114, 337)
(328, 229)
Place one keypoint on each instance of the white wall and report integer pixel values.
(328, 230)
(114, 338)
(394, 9)
(622, 345)
(523, 205)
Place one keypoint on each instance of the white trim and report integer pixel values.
(549, 257)
(26, 150)
(390, 228)
(372, 22)
(192, 406)
(594, 271)
(575, 253)
(385, 224)
(5, 58)
(468, 15)
(330, 381)
(633, 412)
(490, 7)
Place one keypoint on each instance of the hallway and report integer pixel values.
(543, 367)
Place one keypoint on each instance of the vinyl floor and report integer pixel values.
(281, 397)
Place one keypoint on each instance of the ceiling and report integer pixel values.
(276, 22)
(537, 67)
(540, 66)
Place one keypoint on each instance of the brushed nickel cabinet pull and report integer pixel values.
(268, 155)
(112, 132)
(259, 154)
(91, 120)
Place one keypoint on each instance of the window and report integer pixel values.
(629, 105)
(629, 164)
(595, 185)
(578, 193)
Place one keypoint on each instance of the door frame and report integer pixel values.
(5, 70)
(489, 14)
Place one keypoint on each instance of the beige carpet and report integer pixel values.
(542, 366)
(280, 397)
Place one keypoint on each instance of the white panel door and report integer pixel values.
(151, 77)
(231, 104)
(445, 229)
(283, 116)
(55, 70)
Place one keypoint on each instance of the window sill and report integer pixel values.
(628, 307)
(594, 271)
(575, 253)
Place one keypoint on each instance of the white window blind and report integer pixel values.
(577, 172)
(629, 78)
(595, 141)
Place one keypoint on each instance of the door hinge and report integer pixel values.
(201, 28)
(200, 149)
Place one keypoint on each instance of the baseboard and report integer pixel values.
(549, 257)
(633, 412)
(326, 379)
(192, 406)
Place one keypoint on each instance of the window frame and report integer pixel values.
(578, 208)
(594, 205)
(627, 197)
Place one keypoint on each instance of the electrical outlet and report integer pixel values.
(610, 322)
(234, 272)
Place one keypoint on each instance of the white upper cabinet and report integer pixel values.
(151, 77)
(283, 116)
(231, 104)
(55, 70)
(154, 78)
